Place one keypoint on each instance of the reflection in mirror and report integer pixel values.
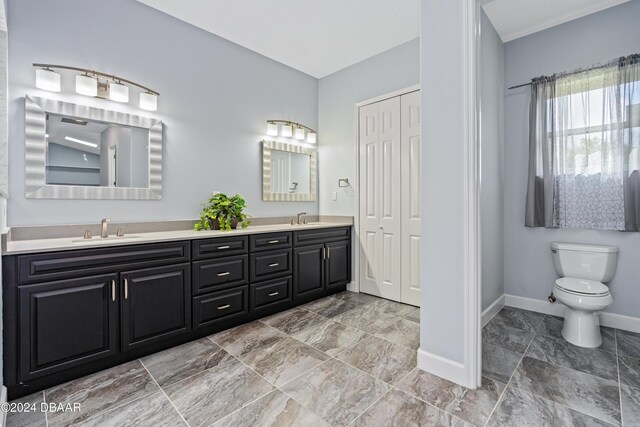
(93, 153)
(290, 172)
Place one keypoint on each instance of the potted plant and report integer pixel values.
(223, 213)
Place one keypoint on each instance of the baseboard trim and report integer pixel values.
(492, 310)
(3, 400)
(611, 320)
(442, 367)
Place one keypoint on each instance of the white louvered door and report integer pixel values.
(389, 155)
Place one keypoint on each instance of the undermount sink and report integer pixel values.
(105, 240)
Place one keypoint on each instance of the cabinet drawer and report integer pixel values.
(220, 273)
(220, 247)
(273, 291)
(321, 235)
(224, 305)
(270, 264)
(270, 241)
(82, 263)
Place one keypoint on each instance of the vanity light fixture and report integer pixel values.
(47, 79)
(86, 85)
(80, 141)
(289, 129)
(97, 84)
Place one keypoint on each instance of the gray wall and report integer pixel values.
(443, 245)
(593, 39)
(391, 70)
(491, 54)
(215, 98)
(3, 147)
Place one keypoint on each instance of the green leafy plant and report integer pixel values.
(224, 211)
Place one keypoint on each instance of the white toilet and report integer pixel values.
(584, 269)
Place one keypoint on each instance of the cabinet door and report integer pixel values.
(66, 323)
(338, 263)
(308, 270)
(156, 304)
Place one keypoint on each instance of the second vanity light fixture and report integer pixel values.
(95, 83)
(291, 129)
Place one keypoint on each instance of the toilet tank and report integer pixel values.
(592, 262)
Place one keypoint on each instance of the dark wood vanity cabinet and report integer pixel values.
(71, 313)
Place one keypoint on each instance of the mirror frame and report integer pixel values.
(267, 195)
(36, 186)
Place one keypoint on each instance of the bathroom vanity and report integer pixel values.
(72, 311)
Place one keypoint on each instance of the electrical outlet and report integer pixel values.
(334, 196)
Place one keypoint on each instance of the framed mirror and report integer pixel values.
(80, 152)
(289, 172)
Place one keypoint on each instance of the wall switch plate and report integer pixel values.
(334, 196)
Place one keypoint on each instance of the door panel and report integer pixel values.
(156, 304)
(67, 323)
(308, 270)
(411, 208)
(338, 263)
(380, 219)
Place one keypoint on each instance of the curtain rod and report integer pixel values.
(565, 74)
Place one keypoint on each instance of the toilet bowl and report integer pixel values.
(585, 299)
(585, 270)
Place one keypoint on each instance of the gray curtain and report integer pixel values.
(584, 149)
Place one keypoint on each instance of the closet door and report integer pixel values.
(380, 199)
(411, 215)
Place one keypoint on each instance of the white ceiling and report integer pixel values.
(517, 18)
(317, 37)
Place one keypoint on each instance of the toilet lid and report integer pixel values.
(582, 286)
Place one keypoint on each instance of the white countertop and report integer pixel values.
(49, 245)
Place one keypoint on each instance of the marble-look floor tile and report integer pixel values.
(499, 363)
(474, 406)
(397, 408)
(594, 396)
(517, 318)
(245, 338)
(630, 402)
(559, 351)
(552, 326)
(382, 359)
(283, 361)
(392, 307)
(154, 410)
(513, 339)
(628, 343)
(100, 391)
(365, 319)
(336, 391)
(292, 321)
(357, 297)
(211, 395)
(404, 332)
(629, 371)
(177, 363)
(414, 316)
(33, 417)
(330, 307)
(276, 409)
(330, 337)
(518, 408)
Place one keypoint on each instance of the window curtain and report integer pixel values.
(584, 149)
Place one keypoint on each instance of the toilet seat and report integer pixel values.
(582, 287)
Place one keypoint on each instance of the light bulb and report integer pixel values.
(118, 92)
(47, 80)
(311, 137)
(299, 134)
(148, 101)
(272, 129)
(286, 130)
(86, 85)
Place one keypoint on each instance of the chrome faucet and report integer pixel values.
(301, 217)
(104, 233)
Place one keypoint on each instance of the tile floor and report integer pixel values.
(350, 359)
